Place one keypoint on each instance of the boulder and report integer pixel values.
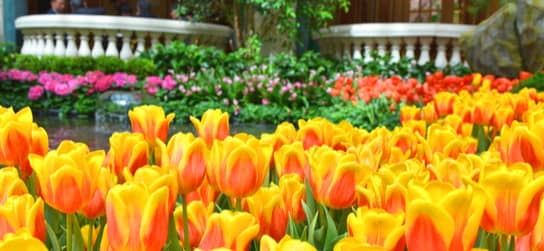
(510, 41)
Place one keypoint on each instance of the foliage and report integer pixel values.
(141, 67)
(536, 81)
(7, 54)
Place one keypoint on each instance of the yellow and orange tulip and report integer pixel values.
(155, 178)
(127, 150)
(290, 159)
(67, 175)
(197, 215)
(293, 192)
(232, 230)
(22, 212)
(285, 244)
(214, 125)
(377, 228)
(268, 207)
(21, 241)
(150, 121)
(97, 205)
(10, 184)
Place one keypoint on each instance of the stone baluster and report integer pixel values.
(357, 47)
(369, 46)
(441, 60)
(337, 48)
(71, 48)
(111, 50)
(425, 55)
(395, 49)
(98, 49)
(49, 43)
(346, 45)
(60, 50)
(40, 44)
(154, 38)
(455, 54)
(126, 51)
(33, 44)
(140, 43)
(84, 48)
(410, 47)
(26, 42)
(382, 46)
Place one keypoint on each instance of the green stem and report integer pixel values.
(239, 204)
(90, 235)
(503, 242)
(69, 226)
(186, 239)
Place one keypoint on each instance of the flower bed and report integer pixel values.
(428, 185)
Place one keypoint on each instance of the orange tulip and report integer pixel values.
(377, 228)
(127, 150)
(154, 178)
(238, 166)
(137, 217)
(22, 212)
(319, 131)
(150, 121)
(293, 192)
(482, 113)
(285, 244)
(333, 176)
(514, 196)
(188, 156)
(284, 134)
(10, 184)
(408, 113)
(214, 125)
(502, 116)
(227, 229)
(19, 137)
(97, 205)
(268, 207)
(85, 234)
(290, 159)
(428, 113)
(352, 243)
(22, 241)
(197, 214)
(205, 193)
(519, 143)
(67, 175)
(444, 139)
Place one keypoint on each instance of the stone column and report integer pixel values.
(2, 37)
(11, 10)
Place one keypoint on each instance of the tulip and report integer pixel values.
(268, 207)
(227, 229)
(377, 228)
(10, 184)
(428, 113)
(519, 143)
(285, 244)
(205, 193)
(198, 214)
(482, 113)
(501, 117)
(445, 140)
(188, 156)
(408, 113)
(22, 212)
(284, 134)
(351, 243)
(290, 159)
(333, 176)
(97, 205)
(443, 103)
(514, 196)
(127, 150)
(293, 192)
(150, 121)
(93, 235)
(319, 131)
(67, 175)
(22, 241)
(19, 137)
(137, 217)
(237, 167)
(214, 125)
(155, 178)
(456, 122)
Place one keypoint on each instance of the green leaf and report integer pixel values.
(52, 237)
(332, 233)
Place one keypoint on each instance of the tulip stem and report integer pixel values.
(90, 235)
(69, 226)
(186, 239)
(239, 204)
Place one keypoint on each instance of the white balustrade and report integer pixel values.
(85, 35)
(430, 40)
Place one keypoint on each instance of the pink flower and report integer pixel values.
(132, 79)
(62, 89)
(35, 92)
(168, 83)
(154, 80)
(120, 79)
(265, 101)
(226, 102)
(152, 90)
(104, 83)
(293, 96)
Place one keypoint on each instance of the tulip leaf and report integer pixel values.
(310, 200)
(332, 232)
(77, 237)
(172, 244)
(311, 227)
(292, 228)
(96, 246)
(52, 237)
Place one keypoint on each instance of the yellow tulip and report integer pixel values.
(150, 121)
(67, 175)
(293, 192)
(409, 113)
(127, 150)
(377, 228)
(290, 159)
(285, 244)
(227, 229)
(10, 184)
(22, 212)
(269, 208)
(21, 241)
(155, 178)
(197, 214)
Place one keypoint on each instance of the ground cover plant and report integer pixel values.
(437, 181)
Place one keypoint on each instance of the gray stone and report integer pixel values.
(510, 41)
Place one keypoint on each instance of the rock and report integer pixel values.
(493, 47)
(530, 27)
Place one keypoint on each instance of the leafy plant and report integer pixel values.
(536, 81)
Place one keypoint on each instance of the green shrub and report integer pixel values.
(29, 62)
(7, 55)
(141, 67)
(109, 65)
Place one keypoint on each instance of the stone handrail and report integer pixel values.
(84, 35)
(356, 41)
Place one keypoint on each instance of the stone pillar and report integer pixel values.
(2, 37)
(11, 10)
